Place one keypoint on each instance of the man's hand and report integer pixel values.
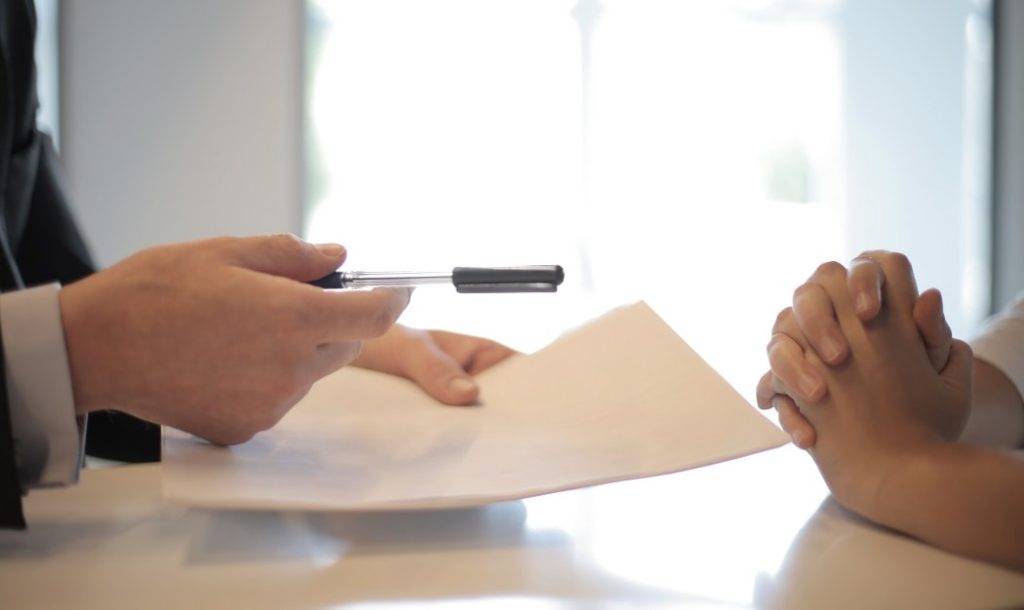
(217, 337)
(441, 363)
(811, 324)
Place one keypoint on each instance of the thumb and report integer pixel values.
(932, 326)
(958, 377)
(440, 376)
(286, 255)
(959, 369)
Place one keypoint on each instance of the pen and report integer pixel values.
(537, 278)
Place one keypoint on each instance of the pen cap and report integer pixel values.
(538, 278)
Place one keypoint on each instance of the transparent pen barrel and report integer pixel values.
(364, 279)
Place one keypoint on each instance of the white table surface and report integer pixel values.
(755, 532)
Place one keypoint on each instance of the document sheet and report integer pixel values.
(619, 398)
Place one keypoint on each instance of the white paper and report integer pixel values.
(620, 398)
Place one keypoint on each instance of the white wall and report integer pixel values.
(181, 119)
(1009, 171)
(915, 182)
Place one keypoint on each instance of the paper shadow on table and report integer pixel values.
(840, 560)
(238, 535)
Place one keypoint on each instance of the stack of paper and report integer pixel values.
(620, 398)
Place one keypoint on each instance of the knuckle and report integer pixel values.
(783, 316)
(776, 345)
(765, 390)
(900, 262)
(777, 363)
(783, 363)
(872, 255)
(830, 269)
(288, 243)
(782, 319)
(805, 291)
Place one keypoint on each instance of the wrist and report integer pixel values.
(889, 494)
(81, 364)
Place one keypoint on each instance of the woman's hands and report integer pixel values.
(811, 323)
(885, 403)
(865, 374)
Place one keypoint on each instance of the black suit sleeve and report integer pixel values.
(50, 247)
(11, 102)
(11, 514)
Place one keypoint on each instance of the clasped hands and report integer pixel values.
(865, 374)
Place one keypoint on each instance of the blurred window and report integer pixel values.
(704, 156)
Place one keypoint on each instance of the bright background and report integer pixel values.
(703, 156)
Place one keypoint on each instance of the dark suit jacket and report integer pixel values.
(39, 241)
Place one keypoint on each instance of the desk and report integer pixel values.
(755, 532)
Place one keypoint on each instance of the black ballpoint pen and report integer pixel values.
(537, 278)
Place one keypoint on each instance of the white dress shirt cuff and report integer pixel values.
(48, 438)
(1002, 343)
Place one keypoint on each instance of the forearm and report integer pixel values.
(962, 498)
(997, 411)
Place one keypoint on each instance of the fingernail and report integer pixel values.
(461, 385)
(863, 303)
(809, 386)
(331, 250)
(798, 439)
(830, 349)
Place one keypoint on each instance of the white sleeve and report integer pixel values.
(48, 438)
(1001, 343)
